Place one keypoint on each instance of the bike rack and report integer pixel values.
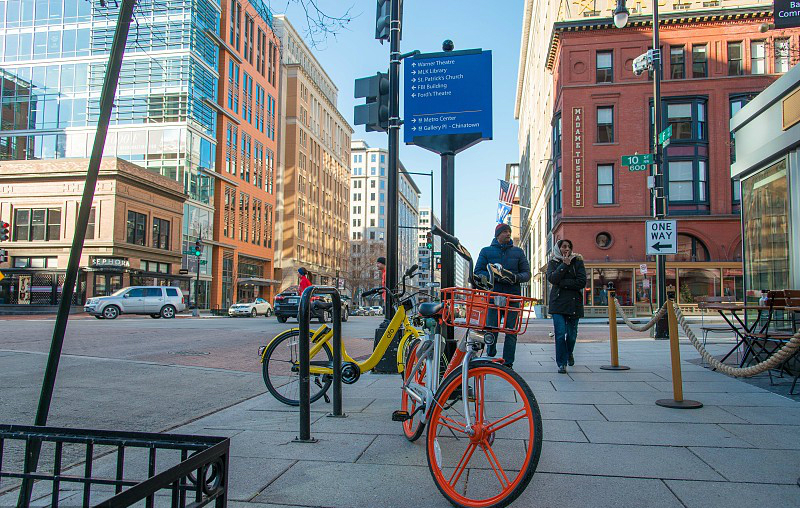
(304, 317)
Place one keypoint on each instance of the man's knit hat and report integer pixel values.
(500, 228)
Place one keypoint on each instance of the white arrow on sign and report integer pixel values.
(413, 95)
(413, 72)
(413, 120)
(413, 64)
(661, 237)
(413, 88)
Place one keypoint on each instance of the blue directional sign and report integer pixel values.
(448, 93)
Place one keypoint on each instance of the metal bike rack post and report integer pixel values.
(304, 318)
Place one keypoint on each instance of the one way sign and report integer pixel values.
(662, 237)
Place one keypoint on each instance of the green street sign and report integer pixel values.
(203, 262)
(636, 160)
(189, 252)
(665, 135)
(639, 167)
(437, 253)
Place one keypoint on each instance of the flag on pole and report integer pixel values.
(503, 212)
(507, 191)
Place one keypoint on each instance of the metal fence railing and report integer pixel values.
(117, 468)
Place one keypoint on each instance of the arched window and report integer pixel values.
(690, 248)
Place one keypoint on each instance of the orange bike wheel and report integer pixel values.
(414, 427)
(492, 467)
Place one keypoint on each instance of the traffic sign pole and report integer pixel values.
(392, 231)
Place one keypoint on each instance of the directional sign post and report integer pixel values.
(448, 94)
(662, 237)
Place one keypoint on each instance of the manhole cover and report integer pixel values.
(190, 353)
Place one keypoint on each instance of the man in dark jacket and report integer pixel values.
(567, 275)
(518, 270)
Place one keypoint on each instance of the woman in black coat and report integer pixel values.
(567, 275)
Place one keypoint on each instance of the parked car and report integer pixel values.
(258, 307)
(155, 301)
(287, 305)
(376, 310)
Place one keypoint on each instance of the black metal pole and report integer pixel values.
(337, 354)
(304, 318)
(432, 270)
(392, 230)
(660, 212)
(448, 225)
(106, 103)
(196, 311)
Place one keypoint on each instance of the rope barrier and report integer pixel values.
(780, 356)
(643, 328)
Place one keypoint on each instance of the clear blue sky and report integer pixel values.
(355, 53)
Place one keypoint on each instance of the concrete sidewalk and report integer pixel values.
(606, 443)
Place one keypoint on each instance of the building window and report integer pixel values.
(690, 248)
(688, 181)
(757, 57)
(605, 184)
(735, 67)
(605, 124)
(677, 65)
(737, 102)
(137, 226)
(782, 49)
(557, 189)
(90, 226)
(605, 68)
(37, 225)
(699, 61)
(688, 120)
(160, 233)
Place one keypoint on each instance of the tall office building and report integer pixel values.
(427, 257)
(54, 54)
(245, 195)
(368, 185)
(314, 166)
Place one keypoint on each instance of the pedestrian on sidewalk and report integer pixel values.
(567, 275)
(516, 270)
(304, 280)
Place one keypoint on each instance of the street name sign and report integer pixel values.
(665, 135)
(635, 160)
(432, 284)
(448, 94)
(661, 237)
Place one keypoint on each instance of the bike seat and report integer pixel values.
(430, 309)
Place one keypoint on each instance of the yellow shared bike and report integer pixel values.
(280, 357)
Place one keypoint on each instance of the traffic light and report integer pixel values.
(375, 113)
(198, 248)
(438, 263)
(429, 240)
(4, 227)
(383, 17)
(3, 255)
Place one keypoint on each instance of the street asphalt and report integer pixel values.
(605, 441)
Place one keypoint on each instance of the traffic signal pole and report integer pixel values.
(392, 231)
(198, 253)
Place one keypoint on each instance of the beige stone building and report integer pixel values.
(314, 168)
(133, 236)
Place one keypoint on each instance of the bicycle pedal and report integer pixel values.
(400, 416)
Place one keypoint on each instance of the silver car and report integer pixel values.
(155, 301)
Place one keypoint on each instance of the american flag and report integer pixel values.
(507, 191)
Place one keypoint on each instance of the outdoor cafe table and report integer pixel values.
(742, 331)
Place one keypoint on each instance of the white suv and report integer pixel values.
(156, 301)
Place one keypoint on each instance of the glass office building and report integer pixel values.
(53, 55)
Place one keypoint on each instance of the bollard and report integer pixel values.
(677, 401)
(612, 327)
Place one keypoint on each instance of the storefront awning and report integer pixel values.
(256, 281)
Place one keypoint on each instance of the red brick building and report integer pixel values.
(714, 63)
(244, 196)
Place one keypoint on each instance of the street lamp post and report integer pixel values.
(659, 200)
